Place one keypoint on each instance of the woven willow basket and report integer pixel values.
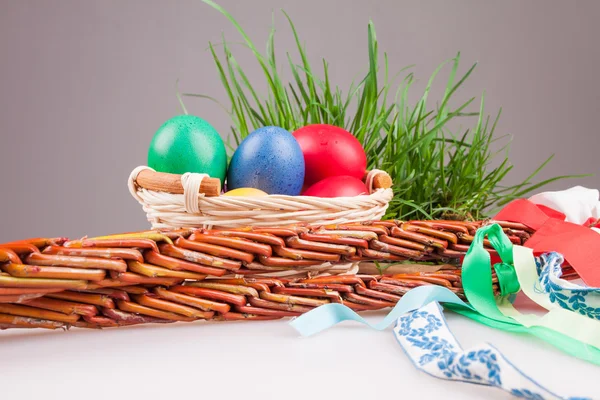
(230, 274)
(194, 201)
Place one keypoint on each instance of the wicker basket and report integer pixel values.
(193, 201)
(234, 274)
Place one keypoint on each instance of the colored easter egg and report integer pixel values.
(269, 159)
(246, 192)
(330, 151)
(337, 186)
(187, 143)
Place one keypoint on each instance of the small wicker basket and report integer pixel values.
(193, 201)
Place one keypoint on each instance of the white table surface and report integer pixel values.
(259, 360)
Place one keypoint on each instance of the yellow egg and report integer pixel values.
(246, 192)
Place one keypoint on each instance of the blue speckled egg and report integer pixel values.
(269, 159)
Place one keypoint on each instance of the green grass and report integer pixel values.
(437, 172)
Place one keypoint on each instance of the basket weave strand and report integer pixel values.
(251, 273)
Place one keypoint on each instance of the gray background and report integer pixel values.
(85, 84)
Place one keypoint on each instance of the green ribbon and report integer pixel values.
(477, 284)
(507, 279)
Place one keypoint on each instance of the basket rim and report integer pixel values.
(144, 177)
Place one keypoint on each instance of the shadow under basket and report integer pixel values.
(194, 201)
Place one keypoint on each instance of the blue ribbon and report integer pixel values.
(328, 315)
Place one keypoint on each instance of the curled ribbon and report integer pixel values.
(559, 327)
(570, 332)
(572, 323)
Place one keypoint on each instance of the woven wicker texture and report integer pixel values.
(193, 209)
(251, 273)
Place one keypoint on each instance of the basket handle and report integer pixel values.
(377, 179)
(171, 183)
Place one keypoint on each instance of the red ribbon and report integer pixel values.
(579, 244)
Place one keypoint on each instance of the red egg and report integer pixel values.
(337, 186)
(330, 151)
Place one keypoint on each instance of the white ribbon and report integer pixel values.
(577, 203)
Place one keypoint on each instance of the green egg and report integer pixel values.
(187, 143)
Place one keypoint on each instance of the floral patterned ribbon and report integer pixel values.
(568, 325)
(426, 339)
(581, 299)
